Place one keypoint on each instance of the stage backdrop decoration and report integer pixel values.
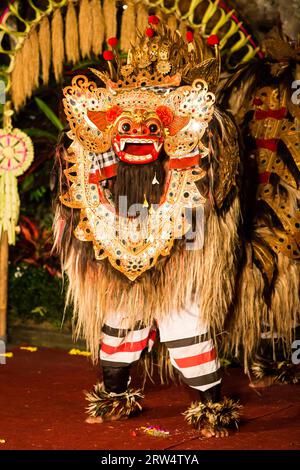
(16, 155)
(69, 30)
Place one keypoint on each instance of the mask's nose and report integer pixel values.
(140, 129)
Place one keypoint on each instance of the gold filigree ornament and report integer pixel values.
(192, 106)
(163, 66)
(272, 126)
(16, 155)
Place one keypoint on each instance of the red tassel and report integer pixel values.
(213, 40)
(149, 32)
(113, 42)
(153, 19)
(108, 55)
(189, 36)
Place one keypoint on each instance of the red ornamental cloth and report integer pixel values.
(182, 163)
(270, 113)
(264, 177)
(174, 163)
(106, 173)
(270, 144)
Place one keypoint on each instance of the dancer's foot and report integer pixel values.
(210, 432)
(94, 420)
(212, 419)
(102, 419)
(109, 406)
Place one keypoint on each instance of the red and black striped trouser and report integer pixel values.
(192, 351)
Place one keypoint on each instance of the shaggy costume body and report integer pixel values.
(261, 96)
(182, 260)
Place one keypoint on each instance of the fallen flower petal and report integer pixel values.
(77, 352)
(29, 348)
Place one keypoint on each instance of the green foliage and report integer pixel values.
(27, 183)
(35, 295)
(49, 114)
(35, 289)
(41, 134)
(36, 194)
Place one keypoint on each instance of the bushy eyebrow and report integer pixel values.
(145, 115)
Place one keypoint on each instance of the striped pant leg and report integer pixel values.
(192, 351)
(121, 346)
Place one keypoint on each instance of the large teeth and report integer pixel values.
(135, 158)
(138, 141)
(157, 145)
(121, 146)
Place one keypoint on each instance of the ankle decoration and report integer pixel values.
(223, 414)
(107, 404)
(284, 372)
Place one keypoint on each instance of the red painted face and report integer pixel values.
(137, 137)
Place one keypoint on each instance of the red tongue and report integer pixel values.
(138, 149)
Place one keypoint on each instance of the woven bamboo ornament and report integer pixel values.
(58, 52)
(35, 59)
(142, 15)
(97, 21)
(17, 82)
(128, 28)
(98, 27)
(16, 155)
(110, 17)
(45, 48)
(85, 29)
(26, 53)
(71, 37)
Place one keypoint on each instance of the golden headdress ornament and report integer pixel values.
(163, 58)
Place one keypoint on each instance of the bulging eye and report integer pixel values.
(126, 127)
(153, 128)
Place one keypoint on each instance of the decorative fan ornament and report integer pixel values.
(16, 155)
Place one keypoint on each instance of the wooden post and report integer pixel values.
(3, 284)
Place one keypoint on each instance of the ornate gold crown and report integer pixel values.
(162, 58)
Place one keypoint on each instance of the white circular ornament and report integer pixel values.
(16, 152)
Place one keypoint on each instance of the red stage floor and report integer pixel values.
(42, 407)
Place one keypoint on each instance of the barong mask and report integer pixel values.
(156, 106)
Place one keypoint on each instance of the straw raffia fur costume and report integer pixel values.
(155, 135)
(263, 95)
